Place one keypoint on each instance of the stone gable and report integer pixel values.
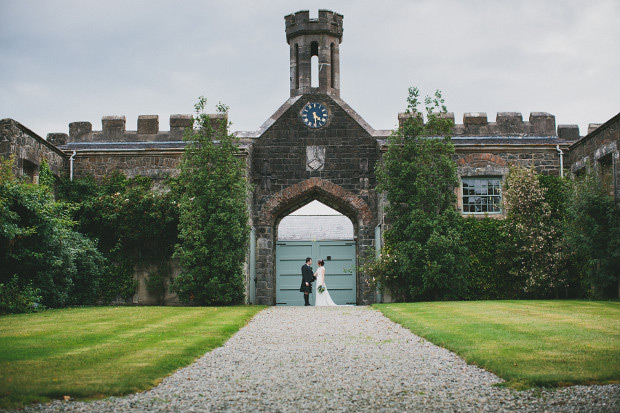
(293, 164)
(280, 154)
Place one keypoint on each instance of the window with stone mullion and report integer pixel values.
(481, 195)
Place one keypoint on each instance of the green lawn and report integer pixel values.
(527, 343)
(94, 352)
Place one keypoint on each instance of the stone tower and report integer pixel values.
(314, 37)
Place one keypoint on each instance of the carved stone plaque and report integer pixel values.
(315, 158)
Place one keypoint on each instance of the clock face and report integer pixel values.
(314, 115)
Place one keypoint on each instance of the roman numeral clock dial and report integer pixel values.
(314, 115)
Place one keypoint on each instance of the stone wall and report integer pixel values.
(29, 150)
(146, 151)
(491, 161)
(600, 148)
(156, 164)
(144, 296)
(293, 165)
(508, 124)
(113, 129)
(472, 162)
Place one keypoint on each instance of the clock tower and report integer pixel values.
(314, 147)
(314, 37)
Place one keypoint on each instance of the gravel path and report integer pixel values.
(338, 359)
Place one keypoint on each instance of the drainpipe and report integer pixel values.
(557, 148)
(71, 166)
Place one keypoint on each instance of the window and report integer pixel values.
(606, 166)
(314, 71)
(30, 170)
(331, 64)
(482, 195)
(296, 66)
(314, 64)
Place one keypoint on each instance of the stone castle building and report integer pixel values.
(316, 147)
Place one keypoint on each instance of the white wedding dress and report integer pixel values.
(322, 299)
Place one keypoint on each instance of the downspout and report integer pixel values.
(71, 166)
(557, 148)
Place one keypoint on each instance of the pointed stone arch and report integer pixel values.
(282, 203)
(332, 195)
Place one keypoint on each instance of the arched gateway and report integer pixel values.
(315, 147)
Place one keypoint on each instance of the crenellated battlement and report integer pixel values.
(508, 124)
(300, 23)
(113, 129)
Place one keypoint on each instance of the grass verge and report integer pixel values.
(96, 352)
(527, 343)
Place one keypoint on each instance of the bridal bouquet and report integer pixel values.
(321, 288)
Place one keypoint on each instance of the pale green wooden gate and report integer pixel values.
(339, 257)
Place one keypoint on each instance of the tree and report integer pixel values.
(213, 227)
(594, 234)
(427, 258)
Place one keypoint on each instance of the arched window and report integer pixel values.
(332, 65)
(296, 66)
(314, 64)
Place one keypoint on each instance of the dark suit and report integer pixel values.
(307, 276)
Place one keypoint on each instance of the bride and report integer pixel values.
(322, 298)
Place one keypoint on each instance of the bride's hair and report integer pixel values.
(321, 262)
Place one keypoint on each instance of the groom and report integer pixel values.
(307, 277)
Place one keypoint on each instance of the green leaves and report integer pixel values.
(418, 176)
(40, 246)
(593, 234)
(213, 226)
(18, 298)
(132, 225)
(537, 253)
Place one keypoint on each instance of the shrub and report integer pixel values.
(46, 177)
(593, 235)
(38, 243)
(498, 247)
(15, 298)
(557, 191)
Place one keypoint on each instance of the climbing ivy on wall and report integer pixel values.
(46, 177)
(132, 223)
(488, 276)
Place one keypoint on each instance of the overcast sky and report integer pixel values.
(79, 60)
